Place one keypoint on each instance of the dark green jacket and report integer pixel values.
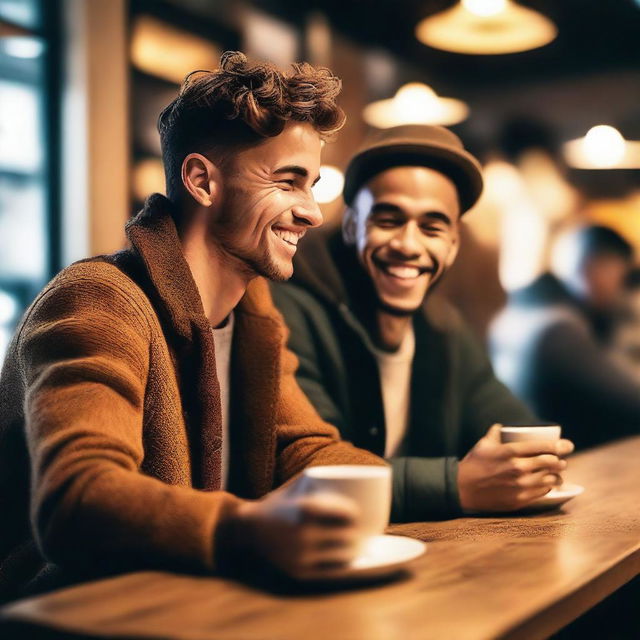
(455, 396)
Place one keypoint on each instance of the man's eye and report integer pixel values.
(431, 229)
(385, 223)
(289, 182)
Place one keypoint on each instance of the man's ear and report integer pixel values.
(201, 179)
(453, 253)
(349, 226)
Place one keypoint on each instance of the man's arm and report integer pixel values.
(426, 488)
(85, 352)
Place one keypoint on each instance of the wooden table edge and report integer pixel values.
(559, 614)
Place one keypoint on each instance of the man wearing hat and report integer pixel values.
(396, 370)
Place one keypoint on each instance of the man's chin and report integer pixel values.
(399, 312)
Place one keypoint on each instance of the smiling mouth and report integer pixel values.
(402, 271)
(286, 235)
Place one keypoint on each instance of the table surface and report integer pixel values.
(522, 576)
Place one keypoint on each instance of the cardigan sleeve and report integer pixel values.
(85, 354)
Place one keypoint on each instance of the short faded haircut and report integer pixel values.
(239, 105)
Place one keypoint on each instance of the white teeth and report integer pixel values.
(291, 237)
(405, 273)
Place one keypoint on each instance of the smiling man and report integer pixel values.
(395, 369)
(148, 405)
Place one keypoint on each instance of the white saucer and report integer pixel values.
(556, 497)
(382, 556)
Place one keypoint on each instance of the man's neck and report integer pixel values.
(391, 330)
(220, 284)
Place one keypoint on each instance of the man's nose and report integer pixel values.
(408, 239)
(307, 211)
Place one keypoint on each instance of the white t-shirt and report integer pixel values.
(222, 338)
(395, 378)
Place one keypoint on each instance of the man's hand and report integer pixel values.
(504, 477)
(306, 536)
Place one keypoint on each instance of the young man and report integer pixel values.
(551, 342)
(395, 370)
(147, 395)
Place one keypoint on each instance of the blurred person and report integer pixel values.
(148, 405)
(394, 368)
(625, 344)
(550, 344)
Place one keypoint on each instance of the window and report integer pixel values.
(25, 186)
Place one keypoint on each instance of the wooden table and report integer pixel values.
(522, 576)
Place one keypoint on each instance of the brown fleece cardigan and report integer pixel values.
(110, 424)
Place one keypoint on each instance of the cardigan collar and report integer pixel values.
(257, 339)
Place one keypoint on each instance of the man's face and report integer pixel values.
(604, 277)
(267, 204)
(406, 232)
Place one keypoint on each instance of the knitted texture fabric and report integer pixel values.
(110, 425)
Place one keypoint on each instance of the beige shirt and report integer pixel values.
(395, 378)
(222, 338)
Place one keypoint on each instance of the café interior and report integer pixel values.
(543, 93)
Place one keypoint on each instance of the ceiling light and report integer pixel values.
(486, 27)
(329, 187)
(415, 103)
(162, 50)
(603, 147)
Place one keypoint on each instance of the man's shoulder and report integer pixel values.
(92, 284)
(288, 294)
(443, 315)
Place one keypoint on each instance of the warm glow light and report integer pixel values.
(415, 103)
(329, 187)
(484, 8)
(148, 178)
(162, 50)
(603, 147)
(486, 27)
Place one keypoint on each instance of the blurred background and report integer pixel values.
(525, 85)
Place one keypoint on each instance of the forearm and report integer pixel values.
(424, 488)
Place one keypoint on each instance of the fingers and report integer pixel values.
(541, 479)
(529, 495)
(328, 510)
(493, 433)
(538, 447)
(321, 551)
(547, 462)
(565, 447)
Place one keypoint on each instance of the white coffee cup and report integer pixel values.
(369, 486)
(509, 433)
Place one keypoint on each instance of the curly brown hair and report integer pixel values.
(240, 104)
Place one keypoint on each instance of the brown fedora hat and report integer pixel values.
(416, 145)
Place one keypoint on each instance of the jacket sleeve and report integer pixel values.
(424, 488)
(427, 488)
(85, 355)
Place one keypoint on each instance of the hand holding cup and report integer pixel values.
(511, 467)
(316, 525)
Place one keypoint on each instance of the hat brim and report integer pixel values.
(458, 165)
